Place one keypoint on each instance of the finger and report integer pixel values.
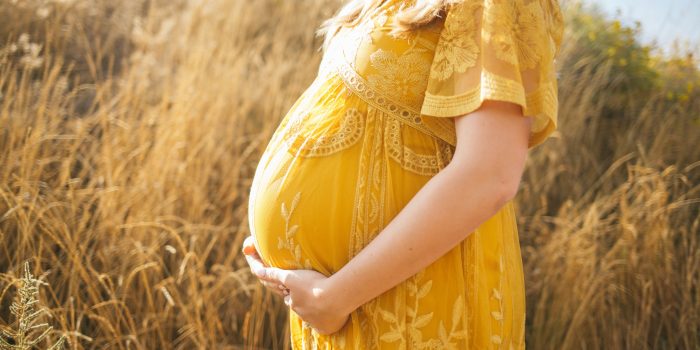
(256, 265)
(274, 288)
(272, 285)
(249, 245)
(288, 300)
(255, 258)
(274, 274)
(260, 270)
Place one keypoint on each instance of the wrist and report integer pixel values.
(338, 295)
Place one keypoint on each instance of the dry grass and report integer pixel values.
(27, 312)
(129, 132)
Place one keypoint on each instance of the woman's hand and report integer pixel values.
(306, 291)
(311, 297)
(256, 264)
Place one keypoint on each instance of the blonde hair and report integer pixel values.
(407, 18)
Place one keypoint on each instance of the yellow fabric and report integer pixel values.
(500, 50)
(368, 133)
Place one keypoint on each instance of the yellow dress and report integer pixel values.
(369, 132)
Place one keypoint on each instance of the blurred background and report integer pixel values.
(130, 130)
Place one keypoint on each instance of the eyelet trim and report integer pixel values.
(377, 99)
(351, 128)
(421, 164)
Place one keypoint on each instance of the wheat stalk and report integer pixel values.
(25, 308)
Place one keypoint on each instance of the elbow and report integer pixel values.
(498, 195)
(508, 178)
(498, 184)
(507, 190)
(503, 184)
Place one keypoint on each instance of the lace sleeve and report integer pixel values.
(499, 50)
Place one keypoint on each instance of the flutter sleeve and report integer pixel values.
(498, 50)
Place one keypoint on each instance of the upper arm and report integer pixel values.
(494, 138)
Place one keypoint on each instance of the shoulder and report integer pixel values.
(521, 20)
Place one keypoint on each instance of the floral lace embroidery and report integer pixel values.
(368, 213)
(512, 43)
(368, 220)
(446, 339)
(396, 86)
(457, 49)
(496, 294)
(421, 164)
(516, 31)
(368, 217)
(499, 27)
(359, 86)
(529, 31)
(349, 132)
(289, 242)
(378, 91)
(397, 324)
(401, 77)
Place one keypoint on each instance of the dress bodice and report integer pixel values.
(391, 73)
(396, 66)
(481, 49)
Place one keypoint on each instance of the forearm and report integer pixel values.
(443, 212)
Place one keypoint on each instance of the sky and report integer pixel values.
(663, 20)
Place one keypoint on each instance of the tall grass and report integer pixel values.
(27, 312)
(129, 133)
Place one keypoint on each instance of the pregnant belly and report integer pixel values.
(301, 209)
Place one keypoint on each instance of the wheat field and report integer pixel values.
(129, 133)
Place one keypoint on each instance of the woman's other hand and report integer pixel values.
(311, 297)
(256, 265)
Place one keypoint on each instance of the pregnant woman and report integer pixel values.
(382, 208)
